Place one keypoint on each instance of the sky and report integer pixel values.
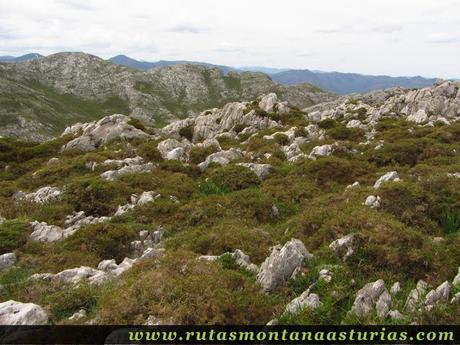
(391, 37)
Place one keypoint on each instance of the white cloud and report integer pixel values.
(385, 37)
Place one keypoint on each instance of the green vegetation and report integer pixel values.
(227, 208)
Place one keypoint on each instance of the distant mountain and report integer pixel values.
(39, 98)
(127, 61)
(267, 70)
(346, 83)
(22, 58)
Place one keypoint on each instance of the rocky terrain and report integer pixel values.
(255, 212)
(40, 97)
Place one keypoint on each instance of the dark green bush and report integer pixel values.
(403, 152)
(96, 196)
(327, 123)
(343, 133)
(148, 150)
(233, 177)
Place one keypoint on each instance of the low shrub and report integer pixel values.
(105, 240)
(13, 235)
(199, 154)
(233, 177)
(96, 196)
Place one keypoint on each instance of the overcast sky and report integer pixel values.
(394, 37)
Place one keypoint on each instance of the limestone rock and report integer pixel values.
(222, 158)
(7, 260)
(17, 313)
(261, 170)
(390, 176)
(41, 196)
(372, 201)
(98, 133)
(440, 294)
(368, 296)
(321, 151)
(112, 175)
(344, 246)
(305, 300)
(279, 266)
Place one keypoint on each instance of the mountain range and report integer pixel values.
(40, 97)
(337, 82)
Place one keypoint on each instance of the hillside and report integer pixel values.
(346, 83)
(39, 98)
(255, 212)
(337, 82)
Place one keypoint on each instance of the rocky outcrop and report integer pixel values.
(415, 298)
(306, 300)
(440, 294)
(321, 151)
(281, 264)
(7, 260)
(344, 247)
(241, 259)
(222, 158)
(372, 295)
(390, 176)
(14, 313)
(261, 170)
(41, 196)
(372, 201)
(112, 175)
(43, 232)
(95, 134)
(137, 200)
(441, 102)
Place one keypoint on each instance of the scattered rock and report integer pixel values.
(368, 296)
(279, 266)
(81, 314)
(7, 260)
(395, 288)
(372, 201)
(41, 196)
(344, 246)
(354, 185)
(98, 133)
(414, 299)
(321, 151)
(261, 170)
(440, 294)
(395, 315)
(305, 300)
(268, 102)
(123, 162)
(17, 313)
(136, 200)
(325, 275)
(456, 280)
(390, 176)
(222, 158)
(112, 175)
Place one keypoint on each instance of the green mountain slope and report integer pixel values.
(42, 96)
